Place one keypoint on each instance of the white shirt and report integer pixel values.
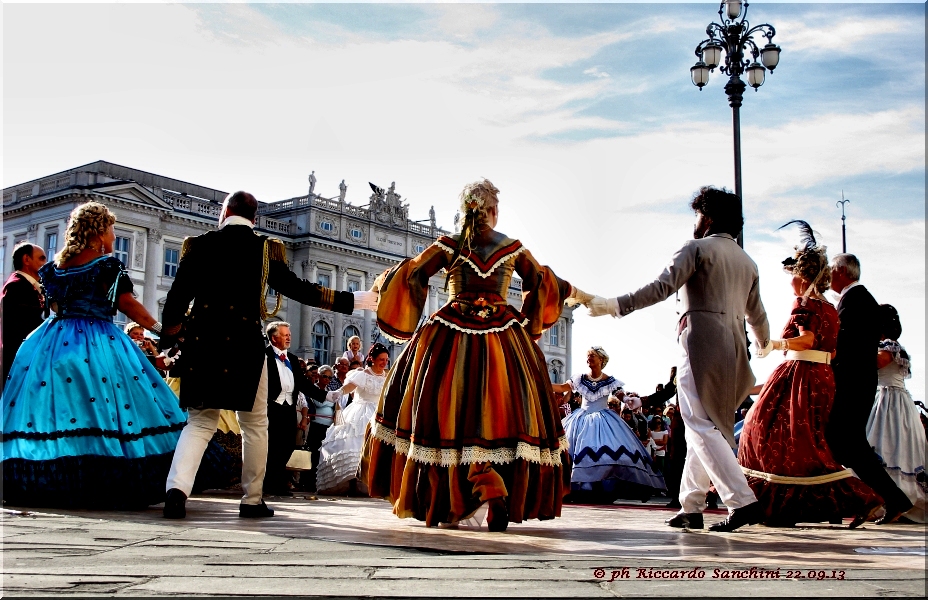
(286, 378)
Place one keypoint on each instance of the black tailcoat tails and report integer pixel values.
(856, 377)
(221, 272)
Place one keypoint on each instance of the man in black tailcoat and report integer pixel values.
(225, 273)
(22, 304)
(856, 377)
(285, 381)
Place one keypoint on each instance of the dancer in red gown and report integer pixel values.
(782, 450)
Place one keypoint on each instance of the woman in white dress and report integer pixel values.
(340, 454)
(894, 429)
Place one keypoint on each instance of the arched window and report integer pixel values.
(322, 342)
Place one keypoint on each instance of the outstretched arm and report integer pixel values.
(285, 281)
(681, 268)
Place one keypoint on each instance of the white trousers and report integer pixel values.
(709, 458)
(201, 425)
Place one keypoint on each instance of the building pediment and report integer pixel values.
(133, 192)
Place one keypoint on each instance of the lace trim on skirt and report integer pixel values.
(450, 457)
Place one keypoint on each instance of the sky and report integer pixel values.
(583, 115)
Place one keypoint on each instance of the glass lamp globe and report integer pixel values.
(733, 8)
(700, 74)
(770, 56)
(756, 73)
(712, 55)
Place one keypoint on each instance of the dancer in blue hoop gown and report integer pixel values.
(87, 420)
(608, 458)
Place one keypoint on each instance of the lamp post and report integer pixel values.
(734, 36)
(841, 203)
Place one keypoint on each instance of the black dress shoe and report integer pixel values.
(712, 502)
(497, 515)
(892, 514)
(175, 504)
(746, 515)
(686, 520)
(675, 503)
(255, 511)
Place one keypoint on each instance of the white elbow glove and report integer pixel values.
(366, 300)
(334, 396)
(600, 306)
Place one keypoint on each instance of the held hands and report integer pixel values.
(600, 306)
(366, 300)
(578, 296)
(762, 352)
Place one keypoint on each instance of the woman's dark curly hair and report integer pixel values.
(722, 207)
(375, 351)
(888, 318)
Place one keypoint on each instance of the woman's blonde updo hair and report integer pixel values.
(810, 260)
(476, 200)
(88, 221)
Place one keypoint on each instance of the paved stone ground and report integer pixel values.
(356, 547)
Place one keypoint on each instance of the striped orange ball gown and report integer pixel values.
(467, 413)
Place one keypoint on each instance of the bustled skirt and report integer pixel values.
(340, 453)
(87, 420)
(784, 437)
(895, 431)
(467, 417)
(607, 454)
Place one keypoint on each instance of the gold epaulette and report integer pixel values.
(276, 250)
(273, 250)
(188, 241)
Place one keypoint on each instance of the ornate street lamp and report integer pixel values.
(733, 36)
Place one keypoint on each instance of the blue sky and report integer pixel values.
(583, 114)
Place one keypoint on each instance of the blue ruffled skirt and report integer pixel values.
(87, 420)
(607, 454)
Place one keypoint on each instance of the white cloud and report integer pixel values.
(822, 32)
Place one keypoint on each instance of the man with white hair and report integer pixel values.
(856, 378)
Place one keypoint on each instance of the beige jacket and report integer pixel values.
(718, 286)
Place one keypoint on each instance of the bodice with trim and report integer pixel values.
(478, 285)
(482, 268)
(816, 316)
(898, 370)
(88, 290)
(595, 394)
(369, 385)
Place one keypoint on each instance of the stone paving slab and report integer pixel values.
(356, 547)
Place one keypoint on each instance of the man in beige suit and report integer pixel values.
(718, 286)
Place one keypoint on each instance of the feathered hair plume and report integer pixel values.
(806, 240)
(810, 260)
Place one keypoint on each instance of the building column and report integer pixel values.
(367, 322)
(570, 329)
(152, 273)
(338, 344)
(306, 317)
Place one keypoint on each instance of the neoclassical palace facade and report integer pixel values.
(329, 240)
